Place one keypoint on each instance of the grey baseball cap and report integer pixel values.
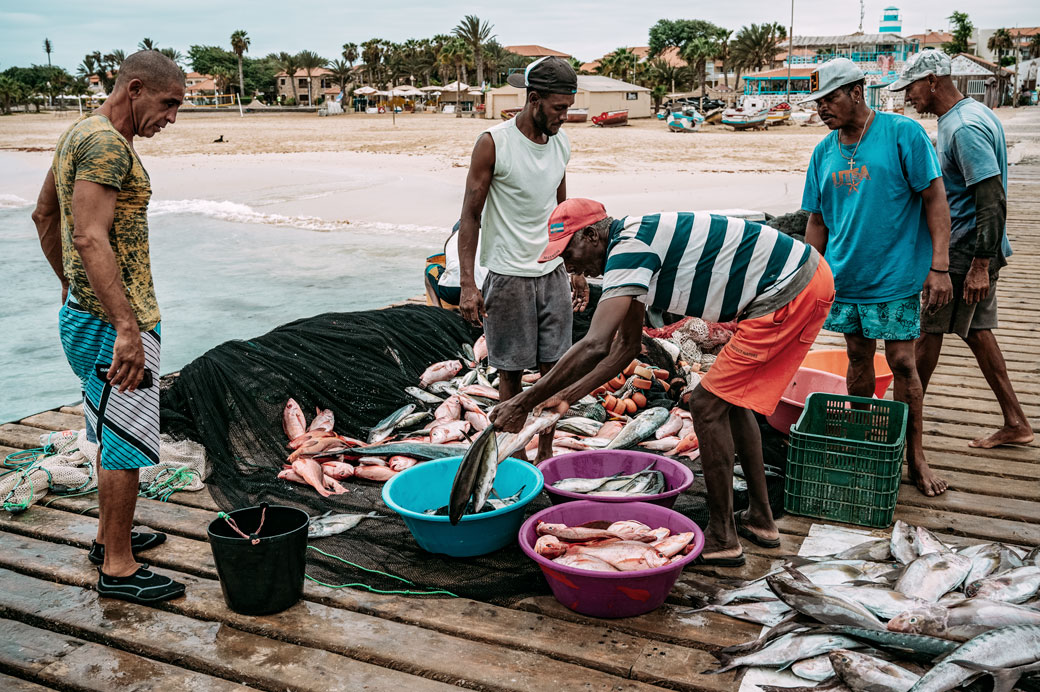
(920, 66)
(832, 74)
(550, 74)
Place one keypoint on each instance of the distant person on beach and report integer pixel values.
(517, 176)
(447, 284)
(973, 156)
(92, 220)
(877, 211)
(702, 265)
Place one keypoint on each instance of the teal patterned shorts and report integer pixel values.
(894, 320)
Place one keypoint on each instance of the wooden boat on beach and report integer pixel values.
(611, 118)
(577, 115)
(508, 113)
(751, 113)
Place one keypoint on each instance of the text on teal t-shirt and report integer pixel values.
(878, 244)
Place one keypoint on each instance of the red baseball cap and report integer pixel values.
(568, 218)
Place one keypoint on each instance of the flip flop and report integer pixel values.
(737, 561)
(745, 532)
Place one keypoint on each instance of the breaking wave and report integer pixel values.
(13, 202)
(241, 213)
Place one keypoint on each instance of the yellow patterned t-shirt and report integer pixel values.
(92, 149)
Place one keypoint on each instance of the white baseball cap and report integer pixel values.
(832, 74)
(920, 66)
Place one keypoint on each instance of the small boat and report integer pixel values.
(777, 117)
(577, 115)
(686, 120)
(611, 118)
(805, 118)
(508, 113)
(752, 113)
(714, 116)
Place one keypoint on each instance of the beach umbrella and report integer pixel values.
(365, 90)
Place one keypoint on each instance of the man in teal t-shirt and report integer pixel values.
(973, 155)
(878, 213)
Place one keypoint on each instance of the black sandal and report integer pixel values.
(143, 587)
(737, 561)
(745, 532)
(139, 541)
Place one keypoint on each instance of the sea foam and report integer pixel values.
(241, 213)
(13, 202)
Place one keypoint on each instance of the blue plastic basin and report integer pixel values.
(428, 486)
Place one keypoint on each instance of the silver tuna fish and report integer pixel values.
(932, 575)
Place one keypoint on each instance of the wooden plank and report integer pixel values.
(20, 436)
(985, 483)
(979, 464)
(971, 503)
(477, 621)
(11, 684)
(68, 662)
(948, 437)
(207, 647)
(327, 630)
(54, 420)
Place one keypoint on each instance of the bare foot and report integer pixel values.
(1004, 436)
(926, 481)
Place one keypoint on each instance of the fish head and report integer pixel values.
(550, 547)
(927, 620)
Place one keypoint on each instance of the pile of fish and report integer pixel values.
(603, 546)
(645, 482)
(891, 615)
(451, 404)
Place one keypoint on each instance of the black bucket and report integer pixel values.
(263, 573)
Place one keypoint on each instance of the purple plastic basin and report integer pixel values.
(607, 462)
(610, 594)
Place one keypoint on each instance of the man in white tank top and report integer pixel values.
(517, 176)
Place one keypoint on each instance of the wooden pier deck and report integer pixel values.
(56, 634)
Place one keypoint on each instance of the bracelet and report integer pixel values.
(939, 271)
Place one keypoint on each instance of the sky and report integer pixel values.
(584, 28)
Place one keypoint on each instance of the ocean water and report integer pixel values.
(222, 270)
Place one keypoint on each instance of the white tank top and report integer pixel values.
(515, 225)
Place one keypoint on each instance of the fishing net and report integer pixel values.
(357, 364)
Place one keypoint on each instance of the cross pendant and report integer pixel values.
(852, 164)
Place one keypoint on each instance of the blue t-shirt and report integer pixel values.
(971, 149)
(878, 245)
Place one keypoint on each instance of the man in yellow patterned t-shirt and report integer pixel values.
(92, 220)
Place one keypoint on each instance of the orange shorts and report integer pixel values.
(755, 367)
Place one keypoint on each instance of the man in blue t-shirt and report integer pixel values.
(973, 155)
(878, 213)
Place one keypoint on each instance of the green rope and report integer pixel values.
(372, 571)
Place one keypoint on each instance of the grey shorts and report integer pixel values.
(528, 319)
(957, 317)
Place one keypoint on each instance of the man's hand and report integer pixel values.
(937, 291)
(471, 304)
(127, 359)
(976, 283)
(579, 292)
(554, 404)
(509, 416)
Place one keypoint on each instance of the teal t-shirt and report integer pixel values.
(971, 149)
(878, 245)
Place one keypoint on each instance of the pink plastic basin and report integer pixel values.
(805, 382)
(610, 594)
(607, 462)
(823, 371)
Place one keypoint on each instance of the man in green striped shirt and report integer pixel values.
(703, 265)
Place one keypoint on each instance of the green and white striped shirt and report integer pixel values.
(705, 265)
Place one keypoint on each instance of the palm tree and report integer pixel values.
(350, 53)
(1000, 42)
(755, 46)
(456, 53)
(1034, 46)
(287, 63)
(619, 63)
(723, 38)
(663, 72)
(147, 44)
(371, 54)
(240, 44)
(310, 61)
(47, 48)
(697, 53)
(173, 54)
(475, 33)
(342, 73)
(11, 91)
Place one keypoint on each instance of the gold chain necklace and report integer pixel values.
(852, 159)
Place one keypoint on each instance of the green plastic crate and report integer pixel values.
(845, 459)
